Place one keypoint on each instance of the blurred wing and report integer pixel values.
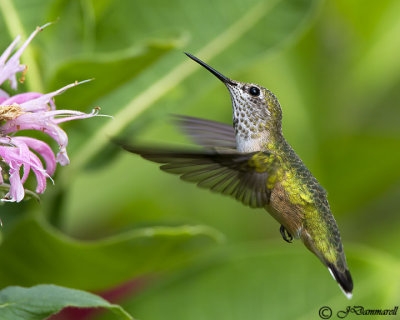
(243, 176)
(209, 134)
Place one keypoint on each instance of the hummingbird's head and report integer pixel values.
(255, 109)
(257, 114)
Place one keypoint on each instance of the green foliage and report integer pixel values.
(39, 302)
(335, 70)
(55, 258)
(243, 285)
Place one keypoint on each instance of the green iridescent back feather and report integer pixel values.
(319, 220)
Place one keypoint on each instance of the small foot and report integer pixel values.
(285, 234)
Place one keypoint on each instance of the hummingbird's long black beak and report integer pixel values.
(212, 70)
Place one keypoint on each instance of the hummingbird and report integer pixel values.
(252, 162)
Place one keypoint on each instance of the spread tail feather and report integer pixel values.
(343, 278)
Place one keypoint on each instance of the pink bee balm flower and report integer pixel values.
(30, 111)
(17, 154)
(10, 66)
(34, 112)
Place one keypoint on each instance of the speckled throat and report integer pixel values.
(256, 120)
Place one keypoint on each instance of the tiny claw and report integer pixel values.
(285, 234)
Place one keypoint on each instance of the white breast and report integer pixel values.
(251, 144)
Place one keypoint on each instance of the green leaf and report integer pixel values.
(52, 257)
(109, 71)
(269, 280)
(39, 302)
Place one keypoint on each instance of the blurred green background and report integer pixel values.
(112, 217)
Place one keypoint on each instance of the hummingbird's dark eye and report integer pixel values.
(254, 91)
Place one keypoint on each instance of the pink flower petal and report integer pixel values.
(41, 103)
(23, 154)
(7, 52)
(39, 172)
(17, 156)
(3, 96)
(43, 150)
(17, 191)
(61, 116)
(17, 153)
(8, 68)
(21, 98)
